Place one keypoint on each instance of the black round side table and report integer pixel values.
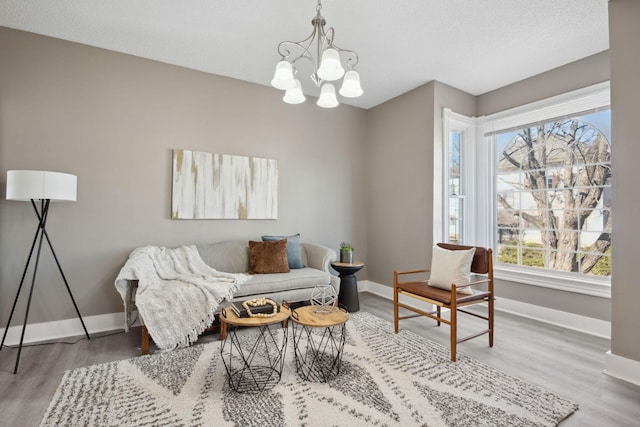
(348, 295)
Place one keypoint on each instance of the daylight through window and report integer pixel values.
(455, 188)
(534, 184)
(553, 195)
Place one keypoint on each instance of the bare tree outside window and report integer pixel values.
(554, 197)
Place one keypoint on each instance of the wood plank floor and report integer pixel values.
(565, 362)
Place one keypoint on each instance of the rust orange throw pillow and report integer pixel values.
(268, 257)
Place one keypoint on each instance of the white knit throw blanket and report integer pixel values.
(177, 294)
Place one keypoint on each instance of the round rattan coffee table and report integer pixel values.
(253, 360)
(318, 342)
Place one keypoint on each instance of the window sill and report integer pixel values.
(593, 285)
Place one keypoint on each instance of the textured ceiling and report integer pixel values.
(473, 45)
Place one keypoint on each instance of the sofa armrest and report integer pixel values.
(319, 256)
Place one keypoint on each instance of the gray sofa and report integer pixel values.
(296, 286)
(233, 257)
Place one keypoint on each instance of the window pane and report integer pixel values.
(563, 261)
(455, 219)
(553, 195)
(455, 190)
(455, 236)
(455, 140)
(533, 257)
(594, 219)
(564, 219)
(590, 241)
(508, 254)
(602, 266)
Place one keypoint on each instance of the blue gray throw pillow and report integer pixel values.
(294, 258)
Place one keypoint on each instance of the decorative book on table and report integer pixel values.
(239, 310)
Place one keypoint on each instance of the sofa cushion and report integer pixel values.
(299, 278)
(294, 257)
(268, 257)
(231, 256)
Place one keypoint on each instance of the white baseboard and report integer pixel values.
(576, 322)
(622, 368)
(38, 332)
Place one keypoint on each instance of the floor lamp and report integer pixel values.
(41, 188)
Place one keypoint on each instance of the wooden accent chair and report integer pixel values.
(482, 264)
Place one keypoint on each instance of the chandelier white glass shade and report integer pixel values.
(327, 66)
(294, 95)
(351, 85)
(330, 66)
(25, 185)
(327, 96)
(283, 77)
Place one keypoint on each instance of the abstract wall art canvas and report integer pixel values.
(222, 186)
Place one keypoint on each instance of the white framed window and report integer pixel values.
(456, 185)
(542, 191)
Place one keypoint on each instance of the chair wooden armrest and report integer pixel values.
(412, 271)
(475, 282)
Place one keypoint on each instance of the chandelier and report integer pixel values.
(326, 64)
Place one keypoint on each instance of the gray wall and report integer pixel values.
(575, 75)
(624, 34)
(400, 203)
(112, 120)
(399, 170)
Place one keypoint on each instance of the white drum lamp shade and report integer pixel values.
(24, 185)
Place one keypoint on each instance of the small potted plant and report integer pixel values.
(346, 253)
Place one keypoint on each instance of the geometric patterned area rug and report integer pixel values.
(386, 379)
